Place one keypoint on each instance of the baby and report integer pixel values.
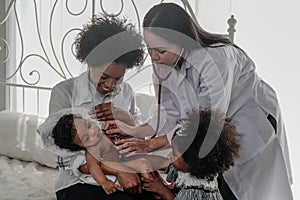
(75, 133)
(197, 163)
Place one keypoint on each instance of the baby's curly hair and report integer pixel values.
(190, 139)
(106, 39)
(64, 132)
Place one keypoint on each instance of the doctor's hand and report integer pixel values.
(133, 146)
(118, 128)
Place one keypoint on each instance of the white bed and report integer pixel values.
(27, 170)
(26, 180)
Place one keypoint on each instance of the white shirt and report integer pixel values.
(224, 79)
(74, 93)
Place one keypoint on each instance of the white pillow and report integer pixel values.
(19, 139)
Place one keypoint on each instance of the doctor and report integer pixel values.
(199, 69)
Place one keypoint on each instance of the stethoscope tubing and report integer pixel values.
(160, 80)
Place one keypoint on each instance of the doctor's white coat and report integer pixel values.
(224, 79)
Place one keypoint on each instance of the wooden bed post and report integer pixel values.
(2, 55)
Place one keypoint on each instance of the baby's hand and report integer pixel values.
(156, 185)
(110, 187)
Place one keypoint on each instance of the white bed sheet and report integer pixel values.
(21, 180)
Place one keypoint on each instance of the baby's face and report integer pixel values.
(88, 133)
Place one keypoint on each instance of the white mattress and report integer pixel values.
(21, 180)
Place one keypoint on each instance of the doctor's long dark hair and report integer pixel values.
(173, 17)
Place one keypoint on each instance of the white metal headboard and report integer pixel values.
(56, 57)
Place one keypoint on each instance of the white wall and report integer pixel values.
(269, 31)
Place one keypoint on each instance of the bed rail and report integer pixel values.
(11, 92)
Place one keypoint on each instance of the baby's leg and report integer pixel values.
(156, 162)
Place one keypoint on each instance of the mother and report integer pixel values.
(109, 46)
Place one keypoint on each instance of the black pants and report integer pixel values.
(93, 192)
(226, 192)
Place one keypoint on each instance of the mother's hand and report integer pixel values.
(107, 111)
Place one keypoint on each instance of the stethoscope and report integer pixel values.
(160, 80)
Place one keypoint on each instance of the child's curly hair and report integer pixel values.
(106, 39)
(190, 139)
(65, 131)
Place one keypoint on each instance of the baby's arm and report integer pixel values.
(141, 162)
(93, 166)
(146, 164)
(140, 165)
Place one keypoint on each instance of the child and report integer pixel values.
(75, 133)
(198, 172)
